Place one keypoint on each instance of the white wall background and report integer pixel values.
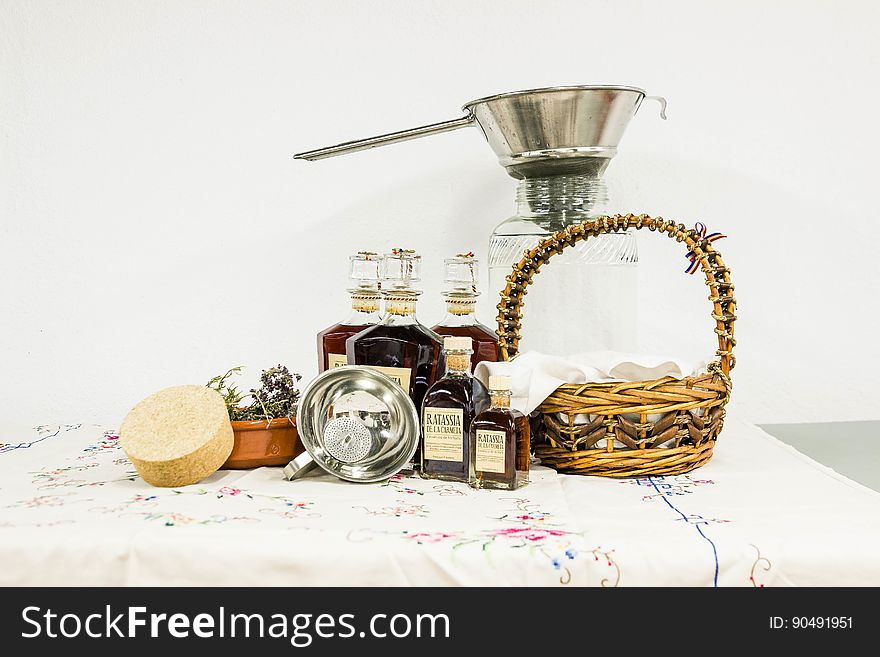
(155, 230)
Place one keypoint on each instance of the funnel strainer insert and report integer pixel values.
(356, 424)
(347, 439)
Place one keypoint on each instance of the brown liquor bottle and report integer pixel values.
(499, 442)
(399, 346)
(449, 407)
(364, 273)
(461, 282)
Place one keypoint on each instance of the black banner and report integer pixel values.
(431, 621)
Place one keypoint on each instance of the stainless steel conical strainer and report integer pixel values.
(539, 132)
(347, 439)
(355, 423)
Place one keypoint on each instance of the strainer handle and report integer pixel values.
(382, 140)
(716, 272)
(662, 101)
(301, 465)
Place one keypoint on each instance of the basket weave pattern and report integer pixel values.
(634, 418)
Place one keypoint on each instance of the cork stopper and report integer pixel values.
(458, 353)
(459, 343)
(499, 391)
(499, 382)
(177, 436)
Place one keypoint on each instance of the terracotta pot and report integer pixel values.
(263, 442)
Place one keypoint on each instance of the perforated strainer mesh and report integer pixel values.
(346, 439)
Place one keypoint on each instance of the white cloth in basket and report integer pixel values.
(535, 375)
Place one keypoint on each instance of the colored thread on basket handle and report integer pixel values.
(700, 229)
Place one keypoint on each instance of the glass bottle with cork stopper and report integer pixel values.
(365, 271)
(460, 290)
(399, 346)
(499, 442)
(449, 407)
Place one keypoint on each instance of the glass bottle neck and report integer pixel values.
(400, 309)
(567, 199)
(458, 362)
(364, 310)
(460, 310)
(500, 399)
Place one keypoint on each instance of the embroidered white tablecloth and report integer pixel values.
(74, 512)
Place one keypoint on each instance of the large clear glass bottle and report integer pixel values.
(449, 407)
(399, 346)
(461, 287)
(365, 270)
(585, 298)
(499, 442)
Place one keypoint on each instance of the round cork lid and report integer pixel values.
(177, 436)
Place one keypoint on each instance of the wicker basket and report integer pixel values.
(686, 415)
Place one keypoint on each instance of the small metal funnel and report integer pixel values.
(540, 132)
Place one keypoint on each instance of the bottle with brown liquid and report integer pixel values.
(399, 346)
(460, 290)
(365, 274)
(449, 407)
(499, 442)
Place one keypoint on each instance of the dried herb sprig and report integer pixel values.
(276, 397)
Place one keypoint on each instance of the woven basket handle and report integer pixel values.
(716, 272)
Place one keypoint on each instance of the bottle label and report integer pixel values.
(400, 375)
(490, 451)
(444, 434)
(336, 360)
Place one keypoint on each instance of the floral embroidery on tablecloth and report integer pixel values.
(47, 475)
(397, 483)
(660, 487)
(174, 519)
(600, 555)
(402, 509)
(525, 527)
(293, 511)
(138, 501)
(62, 477)
(45, 501)
(415, 485)
(109, 441)
(697, 519)
(52, 523)
(450, 490)
(666, 489)
(70, 471)
(760, 562)
(290, 507)
(44, 432)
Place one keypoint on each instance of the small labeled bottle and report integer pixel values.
(450, 406)
(499, 437)
(461, 281)
(399, 346)
(365, 272)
